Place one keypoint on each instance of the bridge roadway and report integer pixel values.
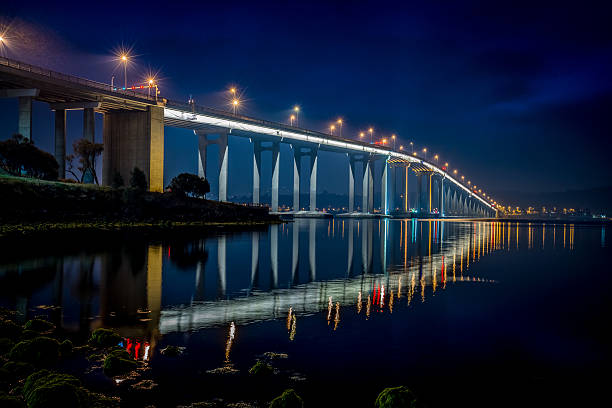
(134, 133)
(435, 269)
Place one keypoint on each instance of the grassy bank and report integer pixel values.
(33, 206)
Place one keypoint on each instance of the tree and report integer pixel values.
(186, 184)
(86, 152)
(19, 156)
(138, 180)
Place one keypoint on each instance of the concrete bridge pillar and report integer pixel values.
(384, 189)
(365, 202)
(203, 143)
(392, 188)
(134, 139)
(420, 206)
(275, 174)
(257, 149)
(441, 196)
(314, 158)
(297, 170)
(429, 192)
(371, 186)
(60, 141)
(256, 170)
(25, 117)
(89, 124)
(351, 192)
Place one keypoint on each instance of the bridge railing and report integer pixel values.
(22, 66)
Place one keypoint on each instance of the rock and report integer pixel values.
(288, 399)
(261, 369)
(172, 351)
(225, 370)
(28, 334)
(144, 386)
(39, 326)
(9, 401)
(118, 362)
(40, 351)
(270, 355)
(105, 338)
(66, 348)
(396, 397)
(9, 330)
(5, 345)
(18, 370)
(46, 389)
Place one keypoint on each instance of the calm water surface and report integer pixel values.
(479, 313)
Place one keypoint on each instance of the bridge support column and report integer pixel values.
(441, 197)
(420, 193)
(314, 158)
(297, 170)
(392, 188)
(275, 174)
(367, 181)
(25, 117)
(60, 141)
(384, 188)
(351, 192)
(89, 125)
(134, 139)
(256, 170)
(429, 193)
(220, 141)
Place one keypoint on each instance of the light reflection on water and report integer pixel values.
(149, 289)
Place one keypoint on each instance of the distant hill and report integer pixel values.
(598, 200)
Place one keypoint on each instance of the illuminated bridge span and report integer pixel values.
(133, 136)
(402, 282)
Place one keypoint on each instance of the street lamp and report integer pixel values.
(436, 158)
(371, 130)
(296, 109)
(361, 135)
(124, 59)
(291, 119)
(235, 104)
(339, 121)
(412, 147)
(393, 137)
(401, 147)
(425, 153)
(455, 172)
(331, 129)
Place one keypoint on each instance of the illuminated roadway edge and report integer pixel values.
(310, 298)
(221, 122)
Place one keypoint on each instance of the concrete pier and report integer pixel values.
(134, 139)
(60, 141)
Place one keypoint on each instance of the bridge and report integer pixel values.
(133, 136)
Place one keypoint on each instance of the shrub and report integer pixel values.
(18, 369)
(9, 329)
(117, 181)
(47, 389)
(261, 369)
(40, 351)
(138, 180)
(118, 362)
(186, 184)
(288, 399)
(396, 397)
(39, 326)
(104, 338)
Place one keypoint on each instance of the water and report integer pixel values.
(479, 313)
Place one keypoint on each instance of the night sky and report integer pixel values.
(517, 97)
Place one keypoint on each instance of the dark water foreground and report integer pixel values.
(464, 313)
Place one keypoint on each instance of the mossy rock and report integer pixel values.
(396, 397)
(48, 389)
(18, 370)
(5, 345)
(261, 369)
(66, 348)
(83, 350)
(101, 401)
(172, 351)
(28, 334)
(10, 401)
(10, 330)
(288, 399)
(40, 351)
(39, 326)
(118, 362)
(105, 338)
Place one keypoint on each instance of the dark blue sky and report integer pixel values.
(517, 96)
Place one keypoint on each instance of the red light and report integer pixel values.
(141, 87)
(133, 87)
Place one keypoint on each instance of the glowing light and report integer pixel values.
(436, 157)
(124, 58)
(424, 150)
(233, 90)
(339, 121)
(296, 108)
(401, 147)
(361, 134)
(455, 171)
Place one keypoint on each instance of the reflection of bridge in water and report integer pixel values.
(435, 266)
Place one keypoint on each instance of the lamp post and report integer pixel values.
(412, 147)
(331, 129)
(361, 135)
(339, 121)
(291, 119)
(124, 59)
(393, 137)
(371, 130)
(425, 153)
(235, 104)
(296, 109)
